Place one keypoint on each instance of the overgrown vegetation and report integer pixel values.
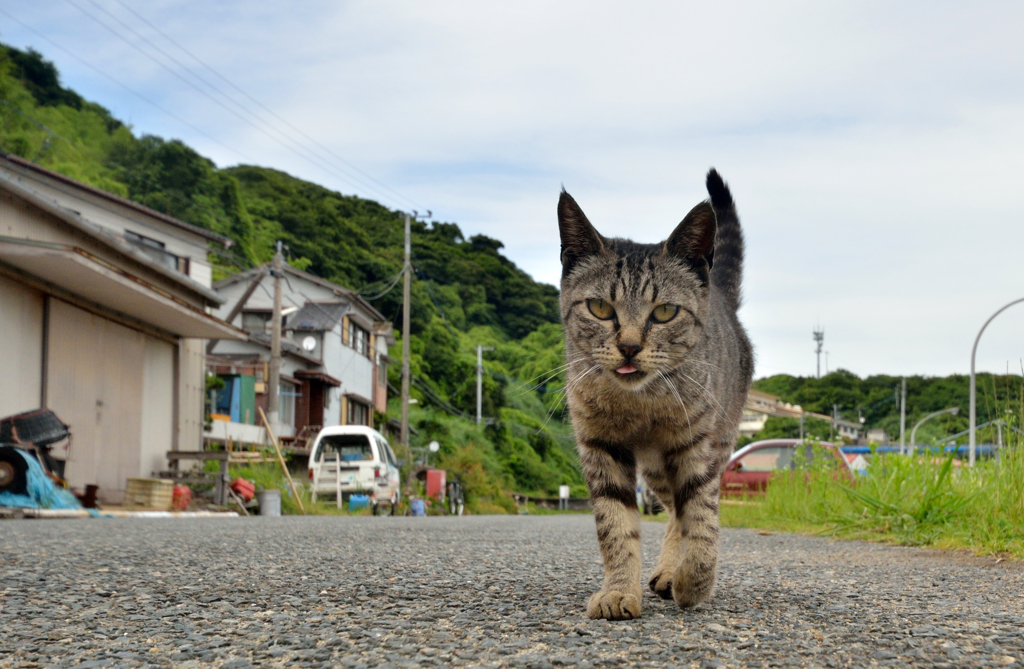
(925, 500)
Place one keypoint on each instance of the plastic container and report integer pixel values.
(418, 507)
(436, 483)
(243, 489)
(181, 497)
(270, 502)
(358, 502)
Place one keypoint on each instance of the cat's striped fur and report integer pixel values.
(673, 420)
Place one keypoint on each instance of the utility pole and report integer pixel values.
(835, 421)
(406, 289)
(903, 415)
(480, 381)
(274, 390)
(819, 338)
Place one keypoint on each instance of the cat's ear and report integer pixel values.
(693, 240)
(579, 238)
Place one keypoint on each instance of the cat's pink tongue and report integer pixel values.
(626, 369)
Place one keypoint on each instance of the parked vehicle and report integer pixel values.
(751, 468)
(367, 464)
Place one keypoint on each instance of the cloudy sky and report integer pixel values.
(876, 150)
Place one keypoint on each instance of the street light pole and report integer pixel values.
(973, 412)
(903, 416)
(913, 433)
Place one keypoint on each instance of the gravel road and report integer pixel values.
(475, 591)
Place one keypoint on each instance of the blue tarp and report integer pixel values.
(43, 493)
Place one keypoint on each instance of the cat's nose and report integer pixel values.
(630, 350)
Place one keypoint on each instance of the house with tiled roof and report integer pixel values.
(334, 355)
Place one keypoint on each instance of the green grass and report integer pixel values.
(914, 501)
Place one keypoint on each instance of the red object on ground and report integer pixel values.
(243, 489)
(436, 483)
(181, 497)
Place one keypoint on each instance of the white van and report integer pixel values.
(368, 465)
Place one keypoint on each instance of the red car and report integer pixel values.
(751, 468)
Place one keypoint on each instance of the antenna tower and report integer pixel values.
(819, 338)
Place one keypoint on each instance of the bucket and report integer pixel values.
(358, 502)
(270, 502)
(418, 507)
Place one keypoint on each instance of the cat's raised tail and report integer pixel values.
(727, 270)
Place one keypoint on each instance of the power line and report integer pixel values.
(264, 107)
(295, 147)
(312, 160)
(122, 85)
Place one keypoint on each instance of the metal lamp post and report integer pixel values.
(973, 416)
(913, 433)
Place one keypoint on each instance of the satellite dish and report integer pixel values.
(309, 343)
(433, 446)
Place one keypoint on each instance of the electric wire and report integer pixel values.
(124, 86)
(219, 103)
(264, 107)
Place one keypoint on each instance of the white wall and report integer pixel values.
(191, 393)
(355, 373)
(157, 406)
(21, 347)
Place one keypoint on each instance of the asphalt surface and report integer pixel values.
(475, 591)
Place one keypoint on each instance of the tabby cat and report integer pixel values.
(658, 371)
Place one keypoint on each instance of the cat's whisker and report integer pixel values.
(679, 399)
(555, 371)
(565, 392)
(704, 391)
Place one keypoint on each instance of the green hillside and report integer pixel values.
(466, 292)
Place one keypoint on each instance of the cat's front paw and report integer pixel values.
(614, 605)
(661, 583)
(693, 584)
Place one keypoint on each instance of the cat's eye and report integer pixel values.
(664, 313)
(600, 309)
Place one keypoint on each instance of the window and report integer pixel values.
(382, 371)
(256, 321)
(352, 447)
(766, 460)
(156, 250)
(287, 403)
(359, 339)
(358, 413)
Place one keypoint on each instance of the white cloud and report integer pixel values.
(874, 149)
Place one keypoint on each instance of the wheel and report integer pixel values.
(13, 471)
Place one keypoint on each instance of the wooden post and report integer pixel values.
(280, 459)
(337, 478)
(318, 472)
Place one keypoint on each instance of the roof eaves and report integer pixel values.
(75, 220)
(195, 229)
